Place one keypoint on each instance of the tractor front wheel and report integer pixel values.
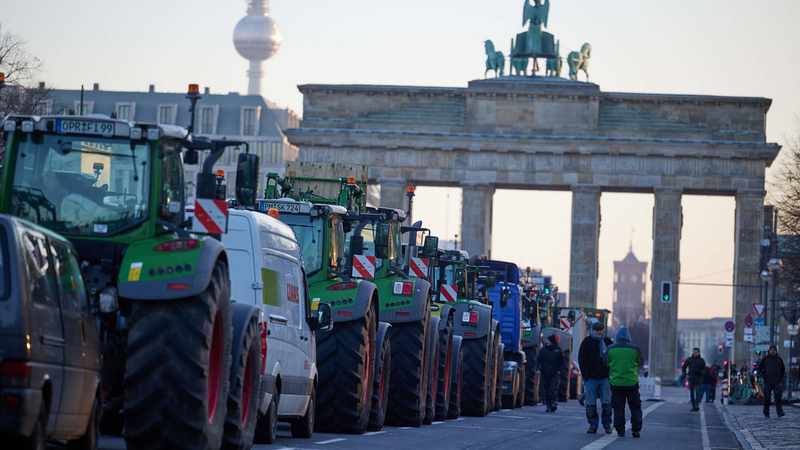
(409, 381)
(477, 377)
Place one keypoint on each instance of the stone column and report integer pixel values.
(393, 194)
(667, 227)
(746, 265)
(476, 219)
(584, 246)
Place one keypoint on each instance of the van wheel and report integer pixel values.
(38, 438)
(303, 428)
(245, 379)
(408, 387)
(477, 377)
(380, 389)
(176, 375)
(456, 384)
(346, 363)
(89, 440)
(267, 426)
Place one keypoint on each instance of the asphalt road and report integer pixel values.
(667, 425)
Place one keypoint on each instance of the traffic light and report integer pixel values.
(666, 292)
(548, 285)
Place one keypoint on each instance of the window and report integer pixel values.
(250, 121)
(207, 120)
(43, 108)
(172, 186)
(167, 114)
(309, 233)
(125, 111)
(73, 295)
(41, 276)
(88, 107)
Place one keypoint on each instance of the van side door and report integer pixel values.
(47, 332)
(81, 364)
(243, 260)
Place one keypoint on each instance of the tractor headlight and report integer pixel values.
(108, 300)
(27, 126)
(9, 126)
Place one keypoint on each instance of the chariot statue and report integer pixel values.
(536, 42)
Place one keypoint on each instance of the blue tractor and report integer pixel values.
(506, 297)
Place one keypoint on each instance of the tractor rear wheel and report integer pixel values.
(176, 374)
(445, 378)
(432, 365)
(498, 393)
(520, 388)
(345, 361)
(380, 389)
(409, 383)
(477, 377)
(245, 382)
(531, 387)
(456, 385)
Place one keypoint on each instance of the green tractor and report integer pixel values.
(456, 287)
(354, 359)
(115, 189)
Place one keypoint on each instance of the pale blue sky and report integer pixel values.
(728, 47)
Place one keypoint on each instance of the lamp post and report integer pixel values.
(775, 266)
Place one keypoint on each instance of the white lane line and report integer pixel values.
(374, 433)
(405, 428)
(330, 441)
(607, 440)
(459, 419)
(437, 423)
(704, 429)
(512, 417)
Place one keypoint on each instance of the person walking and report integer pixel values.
(624, 363)
(695, 369)
(712, 379)
(551, 363)
(593, 361)
(773, 371)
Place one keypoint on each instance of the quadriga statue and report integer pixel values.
(494, 60)
(579, 61)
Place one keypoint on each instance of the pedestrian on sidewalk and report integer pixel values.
(711, 380)
(773, 371)
(551, 363)
(593, 361)
(695, 368)
(624, 363)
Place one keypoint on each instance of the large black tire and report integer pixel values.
(345, 361)
(409, 384)
(267, 425)
(520, 388)
(380, 389)
(456, 385)
(445, 379)
(508, 400)
(303, 428)
(434, 350)
(494, 380)
(531, 388)
(477, 377)
(89, 439)
(176, 374)
(245, 382)
(498, 387)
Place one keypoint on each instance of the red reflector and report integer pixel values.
(263, 327)
(178, 286)
(15, 369)
(408, 288)
(473, 317)
(344, 313)
(343, 286)
(469, 334)
(403, 313)
(180, 245)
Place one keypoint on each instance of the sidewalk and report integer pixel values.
(756, 432)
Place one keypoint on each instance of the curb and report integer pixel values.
(730, 421)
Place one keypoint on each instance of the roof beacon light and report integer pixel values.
(411, 189)
(351, 180)
(2, 77)
(274, 213)
(194, 89)
(220, 173)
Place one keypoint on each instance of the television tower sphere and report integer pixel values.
(257, 39)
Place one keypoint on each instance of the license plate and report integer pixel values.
(285, 207)
(465, 317)
(92, 127)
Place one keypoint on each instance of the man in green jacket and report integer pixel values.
(624, 362)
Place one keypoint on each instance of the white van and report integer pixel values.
(266, 270)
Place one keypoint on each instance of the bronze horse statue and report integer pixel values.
(494, 60)
(579, 61)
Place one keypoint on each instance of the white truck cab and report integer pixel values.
(266, 270)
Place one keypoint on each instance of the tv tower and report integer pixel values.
(257, 39)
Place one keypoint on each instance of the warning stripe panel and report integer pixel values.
(363, 267)
(419, 267)
(449, 292)
(211, 216)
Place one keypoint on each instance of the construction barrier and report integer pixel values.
(650, 388)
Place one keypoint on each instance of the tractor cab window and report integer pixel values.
(309, 233)
(337, 242)
(81, 186)
(172, 186)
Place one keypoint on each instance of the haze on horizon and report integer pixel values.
(713, 47)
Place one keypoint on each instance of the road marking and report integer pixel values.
(459, 419)
(330, 441)
(406, 428)
(607, 440)
(436, 423)
(704, 429)
(512, 417)
(374, 433)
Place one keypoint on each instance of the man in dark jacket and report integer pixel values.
(773, 371)
(695, 368)
(624, 363)
(551, 363)
(711, 383)
(593, 361)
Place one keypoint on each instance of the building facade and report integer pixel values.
(248, 118)
(705, 334)
(630, 285)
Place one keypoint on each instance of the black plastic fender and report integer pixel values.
(364, 294)
(446, 315)
(197, 281)
(468, 331)
(518, 357)
(383, 333)
(417, 311)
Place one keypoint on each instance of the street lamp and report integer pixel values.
(774, 268)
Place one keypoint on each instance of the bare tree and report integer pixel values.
(19, 67)
(787, 188)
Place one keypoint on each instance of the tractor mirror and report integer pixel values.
(323, 320)
(382, 241)
(356, 245)
(247, 179)
(431, 246)
(191, 157)
(504, 294)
